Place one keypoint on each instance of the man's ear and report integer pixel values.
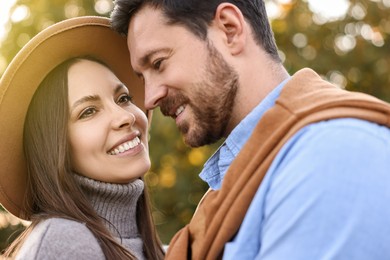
(230, 20)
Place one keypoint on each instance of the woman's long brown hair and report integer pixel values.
(51, 186)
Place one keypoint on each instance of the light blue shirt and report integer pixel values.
(325, 196)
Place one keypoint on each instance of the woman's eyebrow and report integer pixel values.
(91, 98)
(119, 88)
(83, 100)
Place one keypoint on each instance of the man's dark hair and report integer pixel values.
(197, 15)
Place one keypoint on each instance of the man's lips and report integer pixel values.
(173, 105)
(179, 110)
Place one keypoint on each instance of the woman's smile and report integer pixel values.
(102, 115)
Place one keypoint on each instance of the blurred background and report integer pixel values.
(345, 41)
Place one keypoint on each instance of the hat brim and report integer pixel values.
(81, 36)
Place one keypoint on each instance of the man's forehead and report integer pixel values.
(145, 16)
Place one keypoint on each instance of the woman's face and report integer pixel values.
(107, 132)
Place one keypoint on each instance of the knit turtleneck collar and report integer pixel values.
(116, 203)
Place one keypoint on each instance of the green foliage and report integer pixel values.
(352, 52)
(10, 228)
(173, 178)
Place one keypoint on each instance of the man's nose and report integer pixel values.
(154, 93)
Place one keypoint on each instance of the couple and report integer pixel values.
(303, 172)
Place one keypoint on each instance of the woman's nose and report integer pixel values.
(122, 118)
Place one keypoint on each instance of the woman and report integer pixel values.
(74, 166)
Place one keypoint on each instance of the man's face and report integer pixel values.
(186, 77)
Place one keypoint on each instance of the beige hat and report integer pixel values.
(75, 37)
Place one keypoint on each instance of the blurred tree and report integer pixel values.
(351, 51)
(10, 228)
(173, 179)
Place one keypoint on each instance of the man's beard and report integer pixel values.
(211, 102)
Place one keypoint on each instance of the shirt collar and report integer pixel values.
(216, 166)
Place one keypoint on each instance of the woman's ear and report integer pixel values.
(230, 20)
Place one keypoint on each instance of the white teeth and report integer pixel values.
(179, 110)
(125, 146)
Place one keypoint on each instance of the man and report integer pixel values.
(304, 170)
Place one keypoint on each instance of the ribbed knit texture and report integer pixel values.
(116, 203)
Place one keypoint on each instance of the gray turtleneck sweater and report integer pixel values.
(58, 238)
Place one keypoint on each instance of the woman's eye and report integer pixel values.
(87, 112)
(124, 99)
(157, 64)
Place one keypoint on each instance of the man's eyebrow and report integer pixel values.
(83, 100)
